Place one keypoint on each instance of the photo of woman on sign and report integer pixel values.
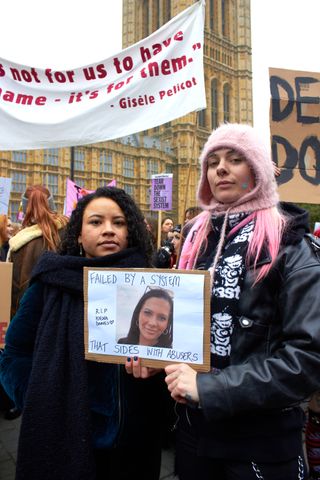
(151, 322)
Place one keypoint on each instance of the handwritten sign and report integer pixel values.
(5, 188)
(161, 192)
(161, 316)
(295, 130)
(158, 79)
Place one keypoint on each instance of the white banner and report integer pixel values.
(158, 79)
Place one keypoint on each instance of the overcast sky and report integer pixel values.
(65, 34)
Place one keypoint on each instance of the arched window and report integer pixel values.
(145, 18)
(224, 18)
(226, 103)
(214, 103)
(211, 14)
(156, 15)
(167, 11)
(202, 118)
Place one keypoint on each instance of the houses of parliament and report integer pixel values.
(173, 147)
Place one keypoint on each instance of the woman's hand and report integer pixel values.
(182, 383)
(133, 367)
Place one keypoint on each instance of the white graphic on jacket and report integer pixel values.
(246, 233)
(229, 271)
(221, 330)
(226, 292)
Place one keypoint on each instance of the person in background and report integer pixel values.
(166, 226)
(6, 231)
(191, 212)
(242, 419)
(166, 256)
(312, 434)
(16, 227)
(41, 230)
(189, 218)
(151, 322)
(170, 235)
(83, 420)
(6, 405)
(176, 242)
(152, 227)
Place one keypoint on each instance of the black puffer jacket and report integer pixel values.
(275, 358)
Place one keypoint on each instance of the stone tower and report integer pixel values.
(228, 80)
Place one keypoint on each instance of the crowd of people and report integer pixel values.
(244, 418)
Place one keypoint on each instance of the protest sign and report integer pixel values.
(158, 79)
(5, 298)
(161, 192)
(5, 188)
(295, 131)
(161, 316)
(74, 192)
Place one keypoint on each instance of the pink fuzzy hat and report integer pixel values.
(243, 139)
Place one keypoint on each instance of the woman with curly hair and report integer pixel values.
(41, 230)
(81, 419)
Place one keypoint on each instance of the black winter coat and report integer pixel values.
(250, 409)
(71, 405)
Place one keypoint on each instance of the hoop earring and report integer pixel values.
(81, 249)
(166, 331)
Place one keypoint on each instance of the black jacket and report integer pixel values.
(4, 252)
(274, 362)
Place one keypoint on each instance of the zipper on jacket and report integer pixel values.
(174, 426)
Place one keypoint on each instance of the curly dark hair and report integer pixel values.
(138, 235)
(165, 339)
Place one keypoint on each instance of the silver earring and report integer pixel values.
(166, 331)
(81, 249)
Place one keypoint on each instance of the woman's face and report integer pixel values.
(170, 235)
(104, 228)
(167, 225)
(153, 320)
(229, 175)
(176, 240)
(9, 229)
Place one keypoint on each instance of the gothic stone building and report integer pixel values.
(173, 147)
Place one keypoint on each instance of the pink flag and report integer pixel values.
(73, 195)
(20, 214)
(113, 183)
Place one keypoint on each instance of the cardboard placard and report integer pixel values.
(5, 298)
(115, 305)
(295, 132)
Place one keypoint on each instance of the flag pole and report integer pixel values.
(190, 164)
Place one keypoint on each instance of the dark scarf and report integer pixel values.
(55, 437)
(228, 281)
